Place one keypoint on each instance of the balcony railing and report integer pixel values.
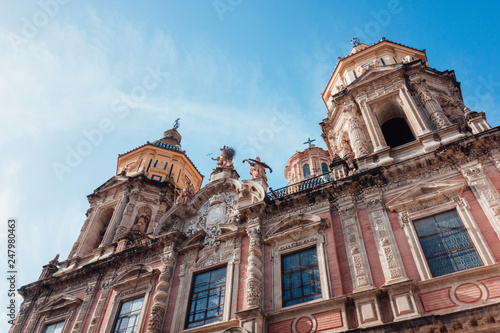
(299, 187)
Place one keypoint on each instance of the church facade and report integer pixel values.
(396, 228)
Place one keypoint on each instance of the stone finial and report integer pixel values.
(50, 268)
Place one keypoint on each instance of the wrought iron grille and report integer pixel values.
(299, 187)
(446, 243)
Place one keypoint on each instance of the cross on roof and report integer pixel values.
(309, 141)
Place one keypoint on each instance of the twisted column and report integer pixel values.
(161, 292)
(254, 270)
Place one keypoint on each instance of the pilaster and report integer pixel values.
(484, 191)
(354, 243)
(391, 261)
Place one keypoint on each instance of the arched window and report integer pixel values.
(324, 168)
(307, 171)
(397, 132)
(394, 124)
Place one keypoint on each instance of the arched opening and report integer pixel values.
(397, 132)
(394, 124)
(98, 230)
(307, 171)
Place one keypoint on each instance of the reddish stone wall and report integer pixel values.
(328, 320)
(332, 260)
(484, 225)
(317, 322)
(280, 327)
(174, 289)
(437, 300)
(268, 280)
(492, 286)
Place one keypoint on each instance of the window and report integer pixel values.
(324, 168)
(54, 328)
(446, 243)
(307, 171)
(207, 298)
(128, 316)
(300, 277)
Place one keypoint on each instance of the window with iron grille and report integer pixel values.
(207, 297)
(54, 328)
(128, 316)
(446, 243)
(300, 277)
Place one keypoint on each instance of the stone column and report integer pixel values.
(126, 221)
(390, 258)
(160, 297)
(252, 318)
(115, 219)
(484, 191)
(254, 271)
(356, 135)
(356, 252)
(436, 113)
(374, 130)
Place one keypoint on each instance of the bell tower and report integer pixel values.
(386, 104)
(148, 180)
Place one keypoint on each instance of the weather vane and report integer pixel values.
(176, 123)
(309, 141)
(355, 41)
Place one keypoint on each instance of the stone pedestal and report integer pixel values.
(221, 173)
(252, 320)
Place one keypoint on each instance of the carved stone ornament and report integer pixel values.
(220, 209)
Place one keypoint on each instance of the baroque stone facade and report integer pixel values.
(400, 233)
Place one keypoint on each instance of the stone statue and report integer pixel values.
(185, 194)
(225, 160)
(345, 152)
(258, 169)
(142, 223)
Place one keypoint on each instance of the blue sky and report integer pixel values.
(237, 72)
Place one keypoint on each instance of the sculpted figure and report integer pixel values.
(225, 160)
(142, 223)
(258, 169)
(346, 153)
(185, 194)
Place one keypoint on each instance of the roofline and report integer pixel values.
(152, 145)
(357, 53)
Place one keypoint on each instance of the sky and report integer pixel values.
(84, 81)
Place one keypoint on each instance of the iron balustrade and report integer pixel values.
(299, 187)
